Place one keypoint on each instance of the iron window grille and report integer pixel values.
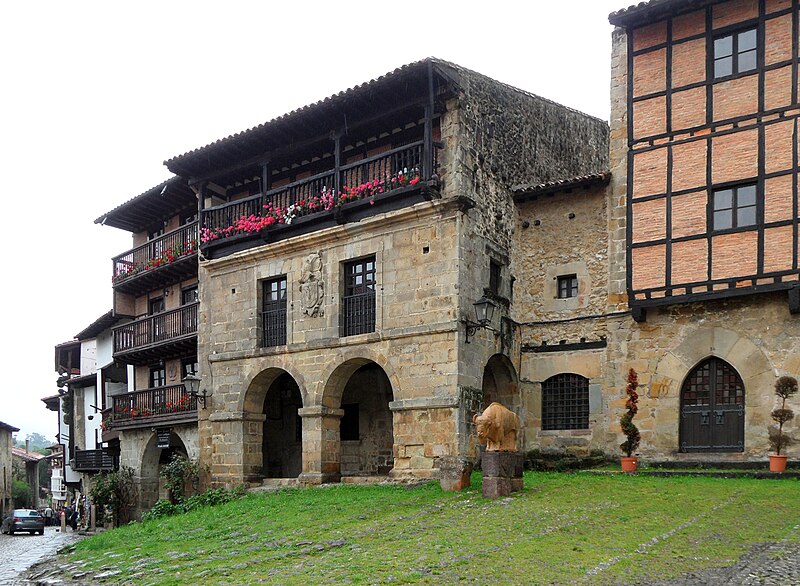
(734, 207)
(567, 286)
(565, 402)
(735, 53)
(358, 303)
(273, 313)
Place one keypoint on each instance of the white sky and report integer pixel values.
(94, 96)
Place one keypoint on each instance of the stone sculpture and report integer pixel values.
(312, 288)
(497, 427)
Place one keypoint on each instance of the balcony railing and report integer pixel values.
(365, 179)
(150, 406)
(358, 314)
(156, 329)
(159, 252)
(94, 461)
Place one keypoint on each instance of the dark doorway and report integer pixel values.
(366, 426)
(283, 429)
(712, 409)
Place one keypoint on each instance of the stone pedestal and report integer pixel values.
(454, 473)
(502, 473)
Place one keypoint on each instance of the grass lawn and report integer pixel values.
(562, 529)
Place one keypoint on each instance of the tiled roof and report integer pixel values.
(26, 455)
(523, 193)
(103, 322)
(450, 71)
(8, 427)
(147, 208)
(652, 10)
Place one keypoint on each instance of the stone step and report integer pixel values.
(366, 480)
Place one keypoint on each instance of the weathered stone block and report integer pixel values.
(496, 487)
(455, 473)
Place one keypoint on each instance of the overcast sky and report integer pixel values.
(94, 96)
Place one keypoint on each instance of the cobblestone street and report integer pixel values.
(19, 552)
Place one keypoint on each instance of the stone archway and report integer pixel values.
(282, 443)
(272, 435)
(747, 359)
(358, 392)
(151, 485)
(500, 383)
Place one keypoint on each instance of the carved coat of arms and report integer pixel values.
(312, 288)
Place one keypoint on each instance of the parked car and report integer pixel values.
(23, 520)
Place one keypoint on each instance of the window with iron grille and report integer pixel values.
(358, 304)
(734, 207)
(735, 53)
(565, 402)
(567, 286)
(273, 312)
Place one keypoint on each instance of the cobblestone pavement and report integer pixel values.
(765, 565)
(21, 551)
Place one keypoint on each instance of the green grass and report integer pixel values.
(563, 529)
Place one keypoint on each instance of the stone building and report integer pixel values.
(6, 479)
(148, 414)
(703, 221)
(343, 247)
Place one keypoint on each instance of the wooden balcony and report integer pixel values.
(159, 336)
(390, 180)
(151, 407)
(167, 259)
(95, 461)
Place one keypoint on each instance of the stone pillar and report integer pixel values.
(236, 448)
(502, 473)
(321, 445)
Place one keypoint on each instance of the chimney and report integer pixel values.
(27, 445)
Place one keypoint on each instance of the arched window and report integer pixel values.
(565, 402)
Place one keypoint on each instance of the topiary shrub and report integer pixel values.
(631, 444)
(785, 387)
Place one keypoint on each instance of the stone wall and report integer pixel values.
(138, 451)
(414, 342)
(755, 335)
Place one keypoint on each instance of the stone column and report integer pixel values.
(236, 448)
(321, 444)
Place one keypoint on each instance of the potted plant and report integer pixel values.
(785, 387)
(629, 446)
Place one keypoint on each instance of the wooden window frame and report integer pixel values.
(735, 54)
(567, 286)
(734, 208)
(274, 305)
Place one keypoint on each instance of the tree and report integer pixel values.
(22, 494)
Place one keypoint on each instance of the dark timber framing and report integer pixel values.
(711, 288)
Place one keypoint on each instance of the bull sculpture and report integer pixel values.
(497, 427)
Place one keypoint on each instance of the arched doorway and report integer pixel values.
(712, 409)
(361, 389)
(282, 442)
(500, 383)
(154, 458)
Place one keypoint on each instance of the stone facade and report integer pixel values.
(6, 479)
(415, 380)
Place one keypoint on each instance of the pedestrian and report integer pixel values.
(74, 519)
(48, 516)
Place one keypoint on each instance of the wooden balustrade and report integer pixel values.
(149, 403)
(155, 329)
(156, 253)
(393, 169)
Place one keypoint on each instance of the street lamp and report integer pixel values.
(484, 312)
(192, 383)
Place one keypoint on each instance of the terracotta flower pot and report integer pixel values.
(629, 464)
(777, 463)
